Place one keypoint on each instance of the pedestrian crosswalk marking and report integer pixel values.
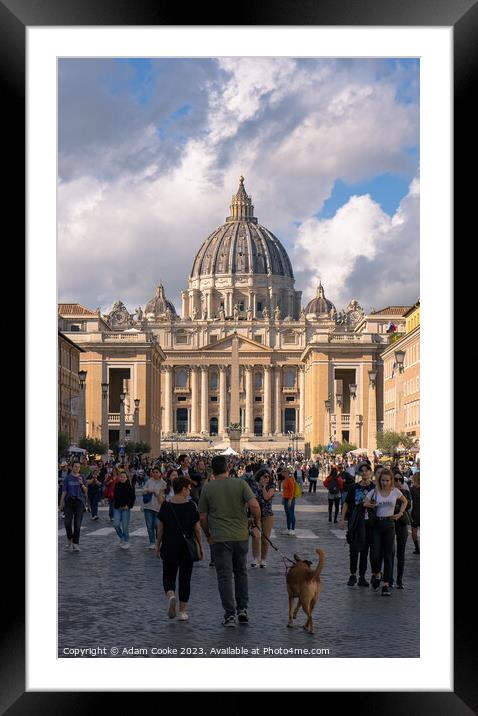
(340, 534)
(101, 532)
(300, 534)
(141, 532)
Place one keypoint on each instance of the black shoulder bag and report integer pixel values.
(191, 543)
(372, 513)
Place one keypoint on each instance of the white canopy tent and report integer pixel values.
(229, 451)
(74, 448)
(359, 451)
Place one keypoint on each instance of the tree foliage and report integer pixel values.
(63, 444)
(93, 446)
(389, 441)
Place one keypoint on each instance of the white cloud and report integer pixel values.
(362, 252)
(137, 208)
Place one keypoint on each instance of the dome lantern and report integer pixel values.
(241, 207)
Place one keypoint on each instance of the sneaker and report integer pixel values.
(292, 533)
(76, 548)
(212, 564)
(95, 518)
(125, 545)
(152, 546)
(254, 564)
(400, 585)
(68, 547)
(172, 607)
(183, 616)
(263, 563)
(242, 617)
(352, 581)
(375, 583)
(362, 582)
(229, 621)
(62, 515)
(386, 592)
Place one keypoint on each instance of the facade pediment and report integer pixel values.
(244, 344)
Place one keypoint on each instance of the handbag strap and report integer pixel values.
(177, 521)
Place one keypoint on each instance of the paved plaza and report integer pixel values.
(112, 599)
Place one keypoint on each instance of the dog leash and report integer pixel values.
(284, 558)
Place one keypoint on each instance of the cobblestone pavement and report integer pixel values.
(113, 599)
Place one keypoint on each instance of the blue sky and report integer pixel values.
(150, 152)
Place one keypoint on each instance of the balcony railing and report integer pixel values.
(115, 418)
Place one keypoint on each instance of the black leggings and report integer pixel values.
(401, 532)
(312, 485)
(337, 505)
(383, 543)
(354, 556)
(170, 571)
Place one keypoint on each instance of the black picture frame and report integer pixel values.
(15, 17)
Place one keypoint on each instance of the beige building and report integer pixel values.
(401, 361)
(117, 363)
(68, 387)
(244, 351)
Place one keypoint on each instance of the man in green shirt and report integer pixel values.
(222, 510)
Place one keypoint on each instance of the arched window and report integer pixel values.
(257, 426)
(289, 379)
(181, 378)
(213, 380)
(213, 426)
(258, 381)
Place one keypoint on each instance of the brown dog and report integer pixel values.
(303, 583)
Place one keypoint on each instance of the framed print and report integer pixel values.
(212, 356)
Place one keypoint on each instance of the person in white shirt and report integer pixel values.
(153, 497)
(382, 500)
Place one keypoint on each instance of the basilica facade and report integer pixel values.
(244, 354)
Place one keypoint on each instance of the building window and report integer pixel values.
(75, 327)
(290, 399)
(214, 399)
(257, 426)
(181, 338)
(289, 338)
(258, 399)
(259, 305)
(181, 378)
(182, 420)
(213, 381)
(213, 426)
(182, 399)
(213, 339)
(258, 381)
(258, 339)
(289, 379)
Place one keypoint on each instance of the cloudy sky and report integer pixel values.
(150, 152)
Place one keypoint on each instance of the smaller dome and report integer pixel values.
(320, 307)
(159, 306)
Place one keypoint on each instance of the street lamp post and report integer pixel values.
(82, 422)
(353, 416)
(122, 429)
(400, 364)
(104, 415)
(136, 419)
(372, 411)
(327, 404)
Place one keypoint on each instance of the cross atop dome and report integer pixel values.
(241, 205)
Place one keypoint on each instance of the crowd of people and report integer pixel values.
(226, 502)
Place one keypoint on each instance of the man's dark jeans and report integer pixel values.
(231, 559)
(93, 499)
(354, 555)
(312, 484)
(73, 509)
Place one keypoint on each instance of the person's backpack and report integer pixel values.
(356, 535)
(297, 490)
(334, 486)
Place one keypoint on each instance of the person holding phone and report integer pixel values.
(354, 500)
(382, 500)
(263, 489)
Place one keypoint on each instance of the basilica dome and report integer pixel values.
(242, 245)
(159, 307)
(320, 307)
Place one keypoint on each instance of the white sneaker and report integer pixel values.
(263, 563)
(183, 616)
(292, 533)
(125, 545)
(68, 547)
(152, 546)
(254, 564)
(76, 548)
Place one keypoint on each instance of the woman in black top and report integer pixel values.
(123, 500)
(401, 529)
(415, 493)
(178, 518)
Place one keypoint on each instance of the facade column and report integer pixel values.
(278, 401)
(353, 417)
(372, 412)
(168, 401)
(104, 415)
(249, 400)
(301, 400)
(266, 426)
(222, 427)
(204, 399)
(252, 303)
(194, 400)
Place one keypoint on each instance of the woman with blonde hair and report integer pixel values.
(382, 500)
(415, 514)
